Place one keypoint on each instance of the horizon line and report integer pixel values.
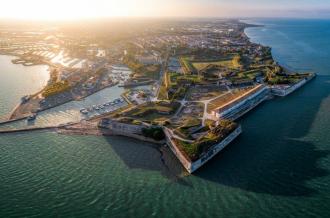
(158, 18)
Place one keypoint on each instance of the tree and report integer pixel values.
(154, 133)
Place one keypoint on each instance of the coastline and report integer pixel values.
(190, 169)
(250, 24)
(278, 167)
(16, 115)
(62, 103)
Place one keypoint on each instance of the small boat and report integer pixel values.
(84, 111)
(32, 117)
(25, 99)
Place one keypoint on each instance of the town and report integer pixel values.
(185, 83)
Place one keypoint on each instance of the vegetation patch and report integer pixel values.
(204, 93)
(155, 133)
(247, 75)
(140, 70)
(194, 150)
(153, 110)
(189, 125)
(276, 75)
(231, 62)
(56, 88)
(187, 65)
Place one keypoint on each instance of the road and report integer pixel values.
(161, 76)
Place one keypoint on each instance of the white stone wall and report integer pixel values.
(193, 166)
(286, 91)
(214, 150)
(239, 104)
(126, 128)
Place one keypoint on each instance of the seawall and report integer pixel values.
(215, 149)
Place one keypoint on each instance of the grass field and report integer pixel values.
(153, 111)
(162, 95)
(200, 94)
(251, 74)
(184, 129)
(232, 62)
(285, 79)
(187, 65)
(194, 150)
(151, 71)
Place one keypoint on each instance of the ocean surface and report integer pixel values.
(278, 167)
(17, 81)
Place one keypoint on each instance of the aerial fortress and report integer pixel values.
(186, 82)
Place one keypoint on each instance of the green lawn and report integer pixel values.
(194, 150)
(154, 111)
(231, 62)
(251, 74)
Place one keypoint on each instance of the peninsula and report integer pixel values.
(186, 82)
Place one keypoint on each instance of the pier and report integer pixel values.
(25, 129)
(37, 128)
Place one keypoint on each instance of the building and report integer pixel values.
(284, 90)
(241, 105)
(120, 126)
(149, 60)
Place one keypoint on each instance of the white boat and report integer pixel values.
(32, 117)
(84, 111)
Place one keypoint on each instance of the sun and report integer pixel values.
(80, 9)
(66, 9)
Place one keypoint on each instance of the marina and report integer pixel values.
(108, 107)
(70, 112)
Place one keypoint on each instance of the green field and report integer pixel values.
(250, 74)
(153, 111)
(194, 150)
(187, 65)
(200, 94)
(186, 124)
(231, 62)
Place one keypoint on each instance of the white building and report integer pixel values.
(241, 105)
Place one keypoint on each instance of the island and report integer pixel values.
(186, 82)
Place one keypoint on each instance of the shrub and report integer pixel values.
(56, 88)
(154, 133)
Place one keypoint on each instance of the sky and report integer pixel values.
(77, 9)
